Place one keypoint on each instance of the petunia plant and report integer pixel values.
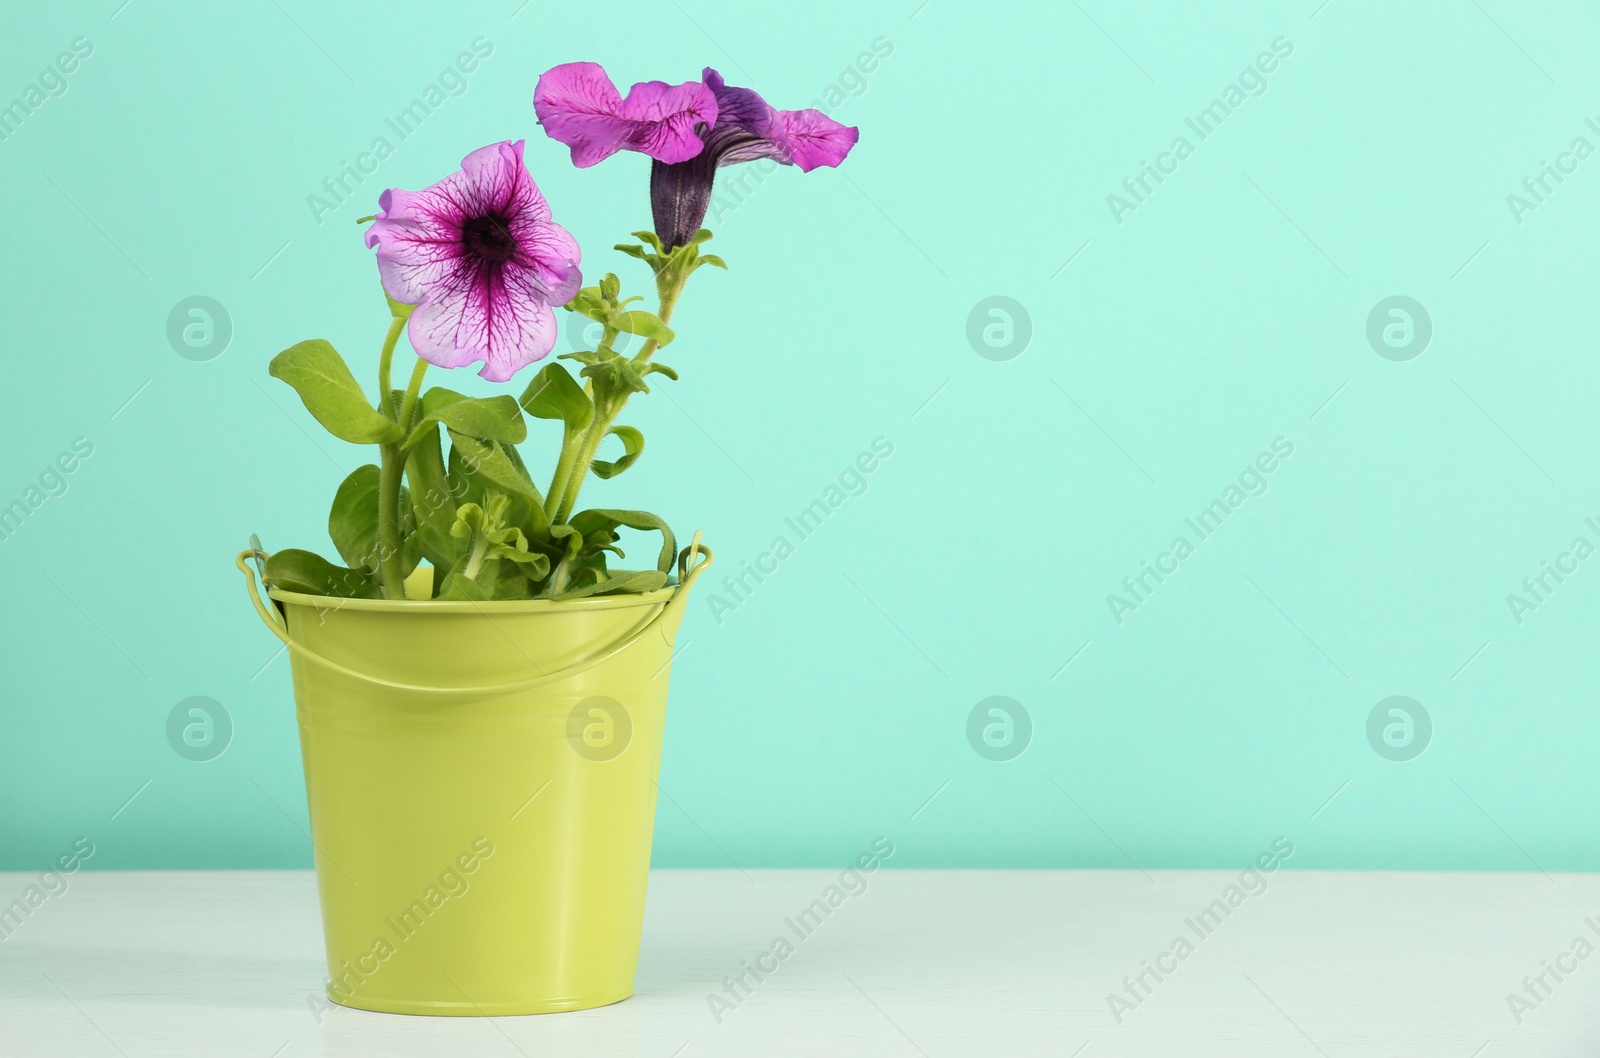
(473, 269)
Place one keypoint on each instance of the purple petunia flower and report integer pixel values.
(577, 105)
(480, 258)
(746, 129)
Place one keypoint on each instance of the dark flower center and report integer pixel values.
(488, 238)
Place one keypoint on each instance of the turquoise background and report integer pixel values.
(1227, 310)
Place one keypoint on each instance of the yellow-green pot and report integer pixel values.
(482, 786)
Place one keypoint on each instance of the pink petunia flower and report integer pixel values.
(482, 261)
(577, 105)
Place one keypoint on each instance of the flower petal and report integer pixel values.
(671, 136)
(579, 106)
(476, 298)
(494, 179)
(739, 106)
(493, 315)
(748, 129)
(417, 236)
(813, 139)
(550, 255)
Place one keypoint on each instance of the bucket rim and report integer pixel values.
(490, 607)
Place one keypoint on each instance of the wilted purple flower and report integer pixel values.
(578, 106)
(480, 258)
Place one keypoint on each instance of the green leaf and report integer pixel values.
(493, 554)
(309, 574)
(397, 310)
(353, 524)
(479, 466)
(433, 504)
(645, 580)
(649, 239)
(644, 324)
(615, 374)
(651, 368)
(555, 394)
(476, 528)
(713, 259)
(330, 393)
(486, 418)
(534, 564)
(587, 522)
(567, 539)
(632, 445)
(575, 563)
(459, 587)
(703, 235)
(518, 581)
(633, 250)
(611, 372)
(353, 521)
(587, 301)
(494, 463)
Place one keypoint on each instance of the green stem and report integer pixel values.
(588, 447)
(570, 443)
(669, 300)
(391, 472)
(391, 564)
(572, 469)
(409, 405)
(385, 358)
(480, 550)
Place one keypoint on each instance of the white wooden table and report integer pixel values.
(923, 962)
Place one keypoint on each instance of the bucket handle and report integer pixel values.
(666, 621)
